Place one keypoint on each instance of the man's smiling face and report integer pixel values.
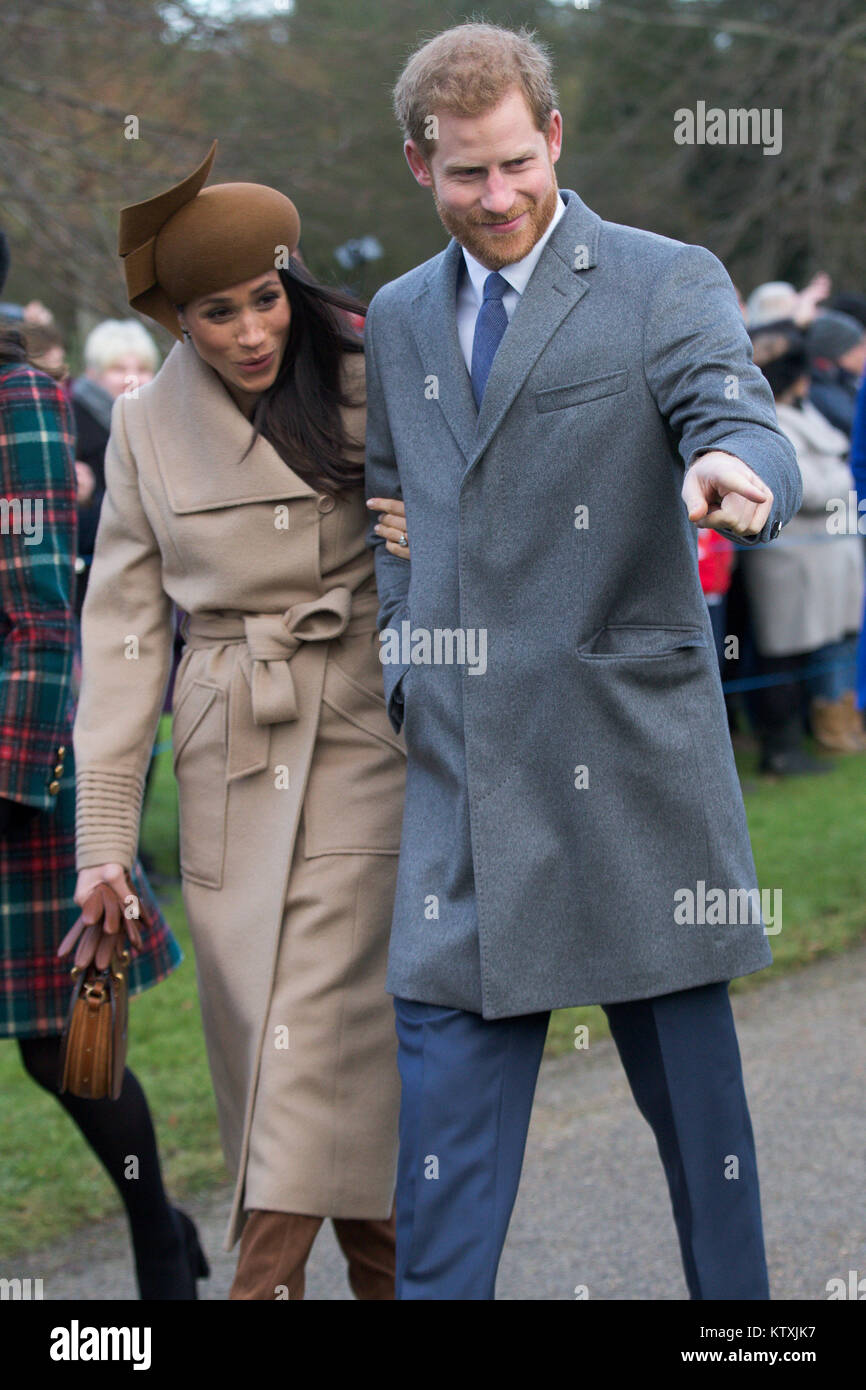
(493, 178)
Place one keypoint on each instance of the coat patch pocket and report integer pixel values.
(639, 640)
(558, 397)
(354, 797)
(199, 743)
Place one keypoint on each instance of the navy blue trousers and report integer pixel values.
(467, 1090)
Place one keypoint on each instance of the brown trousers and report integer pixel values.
(275, 1246)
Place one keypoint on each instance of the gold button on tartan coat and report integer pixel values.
(290, 777)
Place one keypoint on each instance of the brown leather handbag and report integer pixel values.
(94, 1041)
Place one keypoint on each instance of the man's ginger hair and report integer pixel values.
(468, 70)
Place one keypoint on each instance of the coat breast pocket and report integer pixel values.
(199, 743)
(580, 392)
(354, 798)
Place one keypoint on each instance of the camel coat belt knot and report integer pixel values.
(261, 689)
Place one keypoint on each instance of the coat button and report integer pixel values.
(325, 502)
(61, 750)
(58, 768)
(54, 788)
(775, 529)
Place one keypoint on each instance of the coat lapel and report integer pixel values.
(201, 440)
(554, 288)
(434, 325)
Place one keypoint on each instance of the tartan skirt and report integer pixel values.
(37, 880)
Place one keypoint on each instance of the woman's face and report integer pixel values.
(242, 332)
(123, 375)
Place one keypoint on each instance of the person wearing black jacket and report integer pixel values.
(119, 357)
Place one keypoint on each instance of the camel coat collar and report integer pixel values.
(201, 441)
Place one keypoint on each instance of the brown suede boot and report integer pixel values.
(855, 720)
(275, 1246)
(832, 727)
(369, 1247)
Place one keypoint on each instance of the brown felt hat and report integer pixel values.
(193, 240)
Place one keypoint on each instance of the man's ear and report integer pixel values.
(417, 163)
(554, 135)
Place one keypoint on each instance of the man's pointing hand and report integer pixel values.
(723, 493)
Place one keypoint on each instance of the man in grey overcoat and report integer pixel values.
(574, 831)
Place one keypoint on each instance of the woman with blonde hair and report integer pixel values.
(235, 490)
(119, 356)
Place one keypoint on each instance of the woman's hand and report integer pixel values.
(85, 479)
(392, 524)
(112, 874)
(93, 934)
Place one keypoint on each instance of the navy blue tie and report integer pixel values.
(490, 325)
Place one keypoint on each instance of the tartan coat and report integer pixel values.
(37, 642)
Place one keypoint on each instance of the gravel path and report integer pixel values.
(593, 1207)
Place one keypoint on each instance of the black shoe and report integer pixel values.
(793, 762)
(173, 1274)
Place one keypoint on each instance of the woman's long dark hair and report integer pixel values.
(300, 414)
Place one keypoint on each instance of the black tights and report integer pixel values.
(117, 1131)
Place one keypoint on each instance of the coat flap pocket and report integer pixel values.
(640, 639)
(189, 711)
(359, 705)
(558, 397)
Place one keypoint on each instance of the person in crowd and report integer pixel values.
(37, 814)
(850, 303)
(715, 566)
(46, 350)
(34, 312)
(858, 473)
(119, 356)
(234, 488)
(806, 592)
(777, 299)
(837, 354)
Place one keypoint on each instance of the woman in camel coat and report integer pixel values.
(290, 776)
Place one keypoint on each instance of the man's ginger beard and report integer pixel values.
(493, 249)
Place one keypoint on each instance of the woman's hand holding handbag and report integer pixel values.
(94, 1042)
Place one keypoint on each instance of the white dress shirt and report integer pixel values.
(470, 291)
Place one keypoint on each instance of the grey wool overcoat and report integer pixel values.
(570, 784)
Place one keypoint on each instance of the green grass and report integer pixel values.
(807, 837)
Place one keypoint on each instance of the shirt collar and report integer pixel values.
(517, 274)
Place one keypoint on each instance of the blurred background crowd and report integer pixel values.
(788, 617)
